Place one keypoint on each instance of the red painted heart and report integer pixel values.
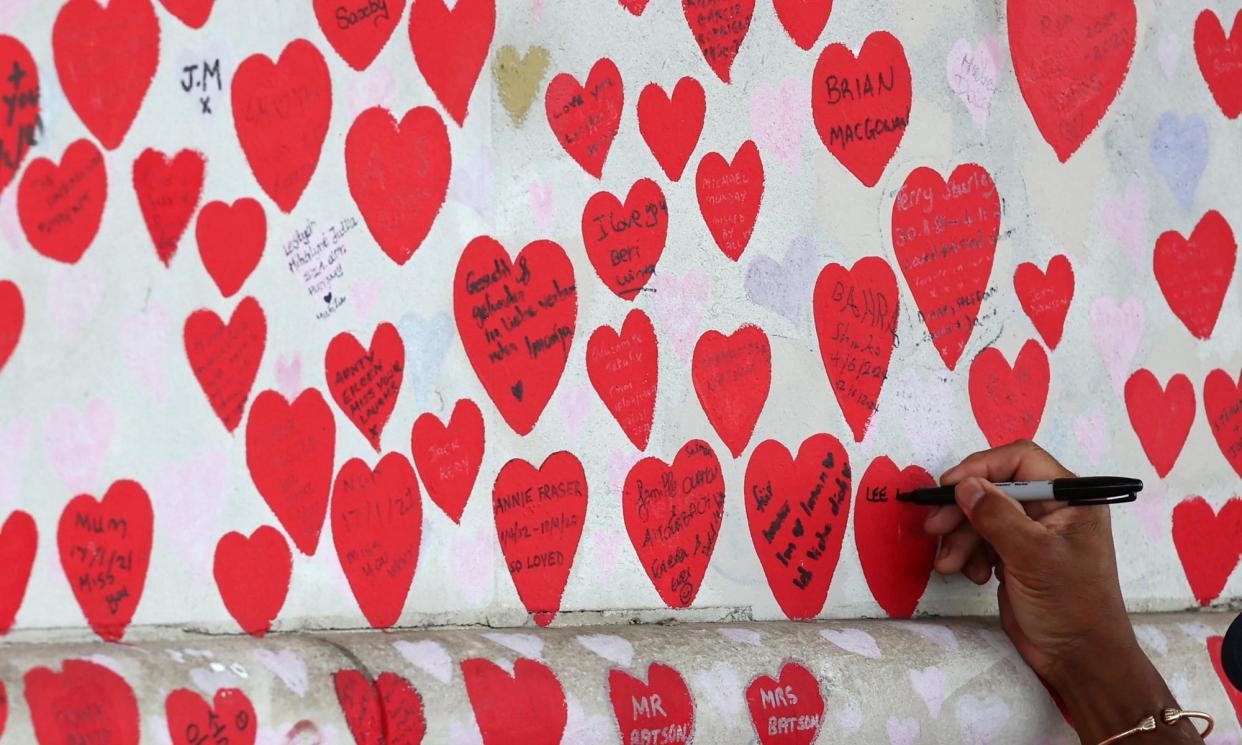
(105, 547)
(516, 320)
(1220, 61)
(21, 107)
(624, 241)
(1215, 644)
(635, 6)
(861, 106)
(944, 235)
(585, 118)
(358, 31)
(365, 383)
(225, 359)
(1046, 296)
(895, 552)
(281, 111)
(1161, 416)
(168, 191)
(856, 323)
(1008, 403)
(1194, 274)
(253, 575)
(448, 458)
(730, 194)
(106, 59)
(788, 710)
(1222, 400)
(19, 541)
(387, 712)
(624, 370)
(229, 719)
(672, 515)
(60, 206)
(12, 319)
(719, 28)
(539, 516)
(450, 47)
(193, 13)
(1209, 544)
(231, 239)
(398, 175)
(657, 710)
(526, 707)
(732, 376)
(804, 20)
(671, 126)
(86, 702)
(797, 510)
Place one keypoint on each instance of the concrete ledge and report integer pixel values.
(937, 680)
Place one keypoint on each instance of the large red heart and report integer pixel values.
(788, 710)
(861, 106)
(732, 376)
(804, 20)
(106, 59)
(60, 206)
(281, 111)
(387, 712)
(253, 574)
(398, 175)
(895, 552)
(1161, 416)
(1008, 403)
(230, 241)
(539, 517)
(516, 320)
(1046, 296)
(1222, 400)
(673, 514)
(20, 107)
(624, 370)
(719, 28)
(1215, 644)
(168, 191)
(19, 541)
(585, 118)
(624, 241)
(358, 31)
(1070, 60)
(85, 703)
(225, 359)
(856, 322)
(193, 13)
(450, 47)
(671, 126)
(12, 319)
(377, 526)
(105, 547)
(1209, 544)
(365, 383)
(1194, 274)
(797, 511)
(730, 194)
(229, 719)
(944, 235)
(448, 458)
(527, 707)
(658, 710)
(1220, 61)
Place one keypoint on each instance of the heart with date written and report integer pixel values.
(365, 383)
(624, 241)
(1194, 273)
(1161, 416)
(624, 370)
(788, 710)
(193, 13)
(253, 573)
(526, 707)
(12, 319)
(719, 28)
(60, 206)
(359, 33)
(22, 110)
(85, 702)
(895, 552)
(1220, 62)
(1046, 296)
(732, 376)
(660, 704)
(386, 712)
(225, 358)
(671, 125)
(448, 457)
(229, 719)
(585, 117)
(230, 240)
(450, 48)
(168, 190)
(1008, 402)
(1209, 544)
(730, 194)
(1222, 400)
(19, 540)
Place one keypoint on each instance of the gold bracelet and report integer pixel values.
(1170, 716)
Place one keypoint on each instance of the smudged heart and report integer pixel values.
(85, 702)
(732, 376)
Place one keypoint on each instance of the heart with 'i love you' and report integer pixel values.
(585, 117)
(624, 241)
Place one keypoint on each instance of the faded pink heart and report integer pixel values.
(364, 294)
(1152, 511)
(606, 547)
(1169, 51)
(77, 442)
(981, 719)
(145, 348)
(289, 375)
(375, 87)
(542, 205)
(777, 118)
(902, 731)
(929, 683)
(11, 233)
(287, 665)
(973, 74)
(1117, 329)
(1125, 218)
(575, 407)
(73, 294)
(1091, 430)
(678, 306)
(195, 492)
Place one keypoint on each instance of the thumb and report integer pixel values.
(1000, 520)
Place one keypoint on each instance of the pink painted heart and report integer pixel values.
(777, 121)
(194, 490)
(77, 443)
(1124, 217)
(678, 306)
(289, 375)
(973, 72)
(1152, 512)
(1117, 329)
(575, 408)
(73, 294)
(1091, 430)
(542, 204)
(145, 346)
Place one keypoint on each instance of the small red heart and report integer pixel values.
(450, 47)
(1222, 400)
(1194, 274)
(229, 719)
(1161, 416)
(624, 370)
(281, 112)
(1209, 544)
(86, 702)
(797, 510)
(253, 574)
(1008, 403)
(168, 191)
(671, 126)
(388, 712)
(448, 458)
(672, 514)
(231, 239)
(539, 517)
(377, 527)
(60, 206)
(861, 106)
(105, 547)
(225, 359)
(1220, 61)
(359, 31)
(732, 376)
(585, 118)
(365, 383)
(106, 58)
(635, 6)
(21, 107)
(12, 319)
(527, 707)
(193, 13)
(662, 704)
(730, 194)
(856, 323)
(804, 20)
(719, 28)
(1215, 644)
(1046, 296)
(895, 552)
(624, 241)
(788, 710)
(949, 287)
(19, 541)
(1070, 61)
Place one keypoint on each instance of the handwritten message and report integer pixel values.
(60, 206)
(624, 369)
(624, 242)
(365, 382)
(788, 710)
(719, 28)
(197, 78)
(316, 259)
(225, 358)
(20, 118)
(1222, 398)
(585, 117)
(658, 712)
(192, 722)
